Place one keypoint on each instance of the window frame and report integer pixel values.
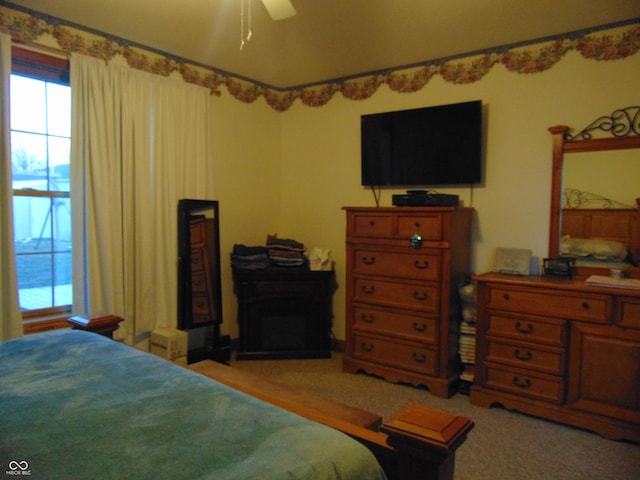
(50, 68)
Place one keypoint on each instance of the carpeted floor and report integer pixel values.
(502, 446)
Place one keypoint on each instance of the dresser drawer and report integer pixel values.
(423, 296)
(394, 323)
(570, 305)
(629, 312)
(529, 329)
(429, 227)
(421, 266)
(197, 233)
(527, 384)
(197, 260)
(200, 304)
(421, 360)
(198, 281)
(372, 225)
(529, 356)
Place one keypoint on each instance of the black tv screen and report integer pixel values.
(429, 146)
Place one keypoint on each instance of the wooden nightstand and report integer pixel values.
(101, 323)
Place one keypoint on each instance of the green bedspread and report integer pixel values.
(78, 405)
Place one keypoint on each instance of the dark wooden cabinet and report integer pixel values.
(560, 349)
(404, 265)
(283, 313)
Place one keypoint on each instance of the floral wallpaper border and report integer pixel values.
(613, 44)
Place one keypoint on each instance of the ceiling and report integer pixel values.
(330, 39)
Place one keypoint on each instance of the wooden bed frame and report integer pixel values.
(418, 443)
(613, 224)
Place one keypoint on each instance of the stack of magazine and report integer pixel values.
(467, 341)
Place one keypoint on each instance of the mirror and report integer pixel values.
(199, 285)
(595, 195)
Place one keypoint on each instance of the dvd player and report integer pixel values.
(410, 199)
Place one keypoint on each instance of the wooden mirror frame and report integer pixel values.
(199, 294)
(582, 142)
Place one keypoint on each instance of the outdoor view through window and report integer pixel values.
(40, 119)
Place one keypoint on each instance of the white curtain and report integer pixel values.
(10, 317)
(139, 144)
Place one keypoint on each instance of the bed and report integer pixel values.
(75, 404)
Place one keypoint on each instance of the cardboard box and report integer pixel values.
(171, 344)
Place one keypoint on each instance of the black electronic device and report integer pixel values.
(425, 200)
(430, 146)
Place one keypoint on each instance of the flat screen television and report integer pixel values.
(430, 146)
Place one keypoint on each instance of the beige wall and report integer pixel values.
(291, 173)
(321, 154)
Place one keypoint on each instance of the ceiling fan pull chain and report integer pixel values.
(241, 24)
(249, 33)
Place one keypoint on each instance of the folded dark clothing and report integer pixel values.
(239, 249)
(251, 265)
(296, 262)
(259, 257)
(284, 243)
(284, 253)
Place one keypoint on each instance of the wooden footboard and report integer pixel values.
(417, 443)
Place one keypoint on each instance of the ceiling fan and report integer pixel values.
(279, 9)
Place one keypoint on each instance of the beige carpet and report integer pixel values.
(502, 446)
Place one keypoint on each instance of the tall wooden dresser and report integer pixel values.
(560, 349)
(404, 265)
(202, 268)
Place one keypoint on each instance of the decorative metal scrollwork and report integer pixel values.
(621, 123)
(573, 198)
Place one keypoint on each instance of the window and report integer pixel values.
(40, 122)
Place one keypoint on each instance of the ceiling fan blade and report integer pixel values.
(279, 9)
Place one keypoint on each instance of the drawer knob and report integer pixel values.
(419, 327)
(372, 223)
(368, 290)
(421, 297)
(520, 356)
(585, 305)
(421, 265)
(366, 318)
(506, 296)
(367, 347)
(526, 383)
(526, 330)
(415, 241)
(419, 357)
(368, 260)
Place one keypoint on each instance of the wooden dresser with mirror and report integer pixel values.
(563, 348)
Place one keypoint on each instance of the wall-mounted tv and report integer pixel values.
(430, 146)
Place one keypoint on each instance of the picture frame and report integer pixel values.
(512, 261)
(559, 267)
